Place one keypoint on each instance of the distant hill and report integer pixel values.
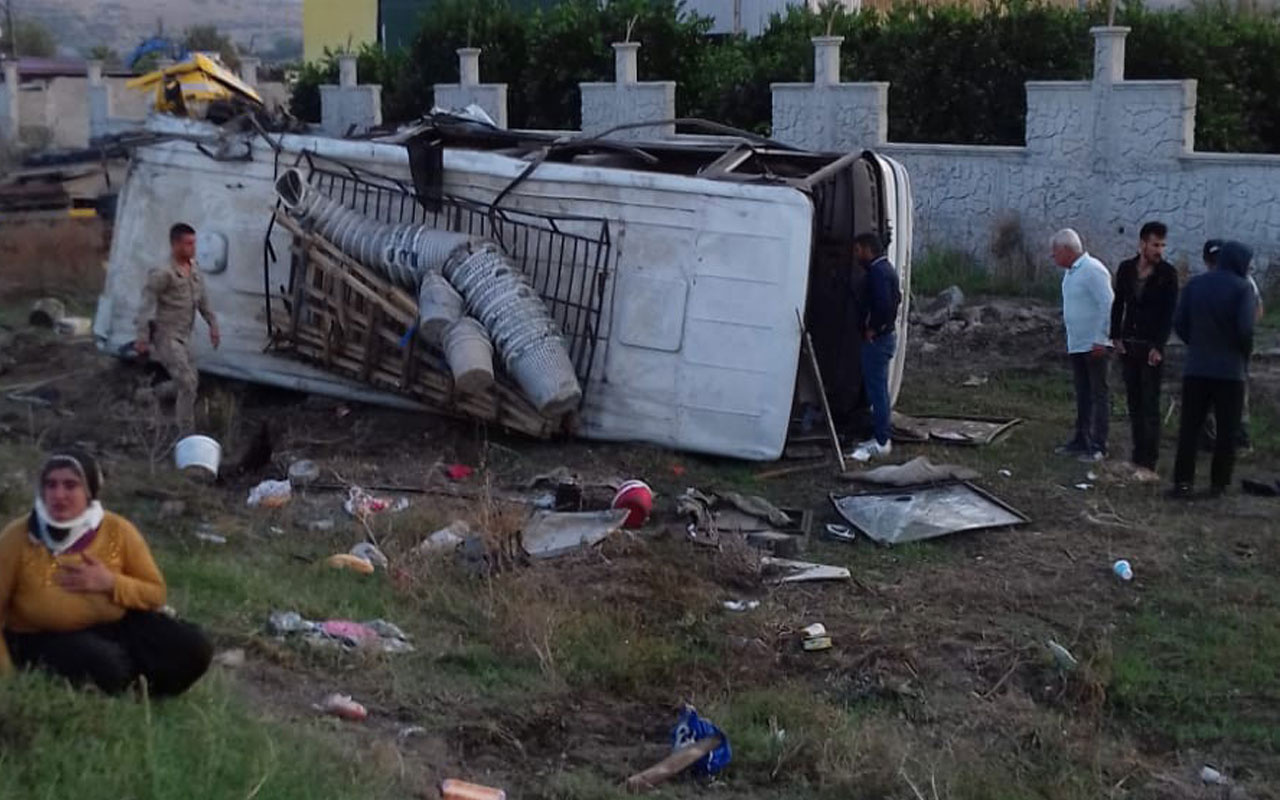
(80, 25)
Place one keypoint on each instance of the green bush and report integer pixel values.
(956, 74)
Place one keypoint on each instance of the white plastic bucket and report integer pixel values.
(198, 452)
(470, 355)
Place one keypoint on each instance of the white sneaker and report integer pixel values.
(872, 449)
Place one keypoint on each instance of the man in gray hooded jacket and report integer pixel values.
(1215, 318)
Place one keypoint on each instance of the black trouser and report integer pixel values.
(1093, 405)
(170, 654)
(1142, 389)
(1226, 400)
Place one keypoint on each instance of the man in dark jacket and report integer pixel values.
(1215, 318)
(878, 318)
(1141, 320)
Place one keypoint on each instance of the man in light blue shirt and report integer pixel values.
(1086, 314)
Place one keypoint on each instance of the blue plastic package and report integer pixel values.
(690, 728)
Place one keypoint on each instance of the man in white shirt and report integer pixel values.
(1086, 314)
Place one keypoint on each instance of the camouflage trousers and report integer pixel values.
(174, 354)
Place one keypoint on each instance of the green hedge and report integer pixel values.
(956, 74)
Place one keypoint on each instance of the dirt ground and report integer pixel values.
(559, 679)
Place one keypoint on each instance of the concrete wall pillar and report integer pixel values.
(9, 118)
(1108, 54)
(347, 76)
(100, 106)
(469, 91)
(828, 114)
(349, 107)
(629, 100)
(249, 70)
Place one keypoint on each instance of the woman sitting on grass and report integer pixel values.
(80, 595)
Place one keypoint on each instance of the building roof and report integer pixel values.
(31, 67)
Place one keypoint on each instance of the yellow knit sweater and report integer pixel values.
(31, 601)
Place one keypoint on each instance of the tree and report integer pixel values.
(109, 57)
(32, 39)
(207, 38)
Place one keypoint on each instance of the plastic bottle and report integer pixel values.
(461, 790)
(1123, 570)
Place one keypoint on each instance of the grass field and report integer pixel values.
(557, 680)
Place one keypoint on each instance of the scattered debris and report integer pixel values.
(549, 534)
(815, 637)
(304, 473)
(973, 431)
(926, 512)
(804, 571)
(341, 705)
(452, 789)
(410, 731)
(46, 312)
(445, 539)
(637, 498)
(758, 507)
(1213, 777)
(320, 525)
(915, 472)
(741, 605)
(458, 472)
(370, 553)
(1062, 656)
(230, 659)
(1004, 473)
(840, 533)
(1123, 570)
(1260, 488)
(379, 634)
(778, 543)
(211, 538)
(974, 381)
(74, 327)
(270, 494)
(351, 562)
(360, 504)
(172, 508)
(696, 744)
(1084, 487)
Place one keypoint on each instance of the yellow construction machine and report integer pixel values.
(199, 88)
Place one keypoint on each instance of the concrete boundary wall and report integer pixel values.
(1102, 156)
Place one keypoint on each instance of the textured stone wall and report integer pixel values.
(355, 108)
(1102, 156)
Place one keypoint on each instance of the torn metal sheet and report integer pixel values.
(972, 431)
(550, 533)
(924, 512)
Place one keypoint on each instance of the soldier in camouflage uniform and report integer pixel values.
(170, 299)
